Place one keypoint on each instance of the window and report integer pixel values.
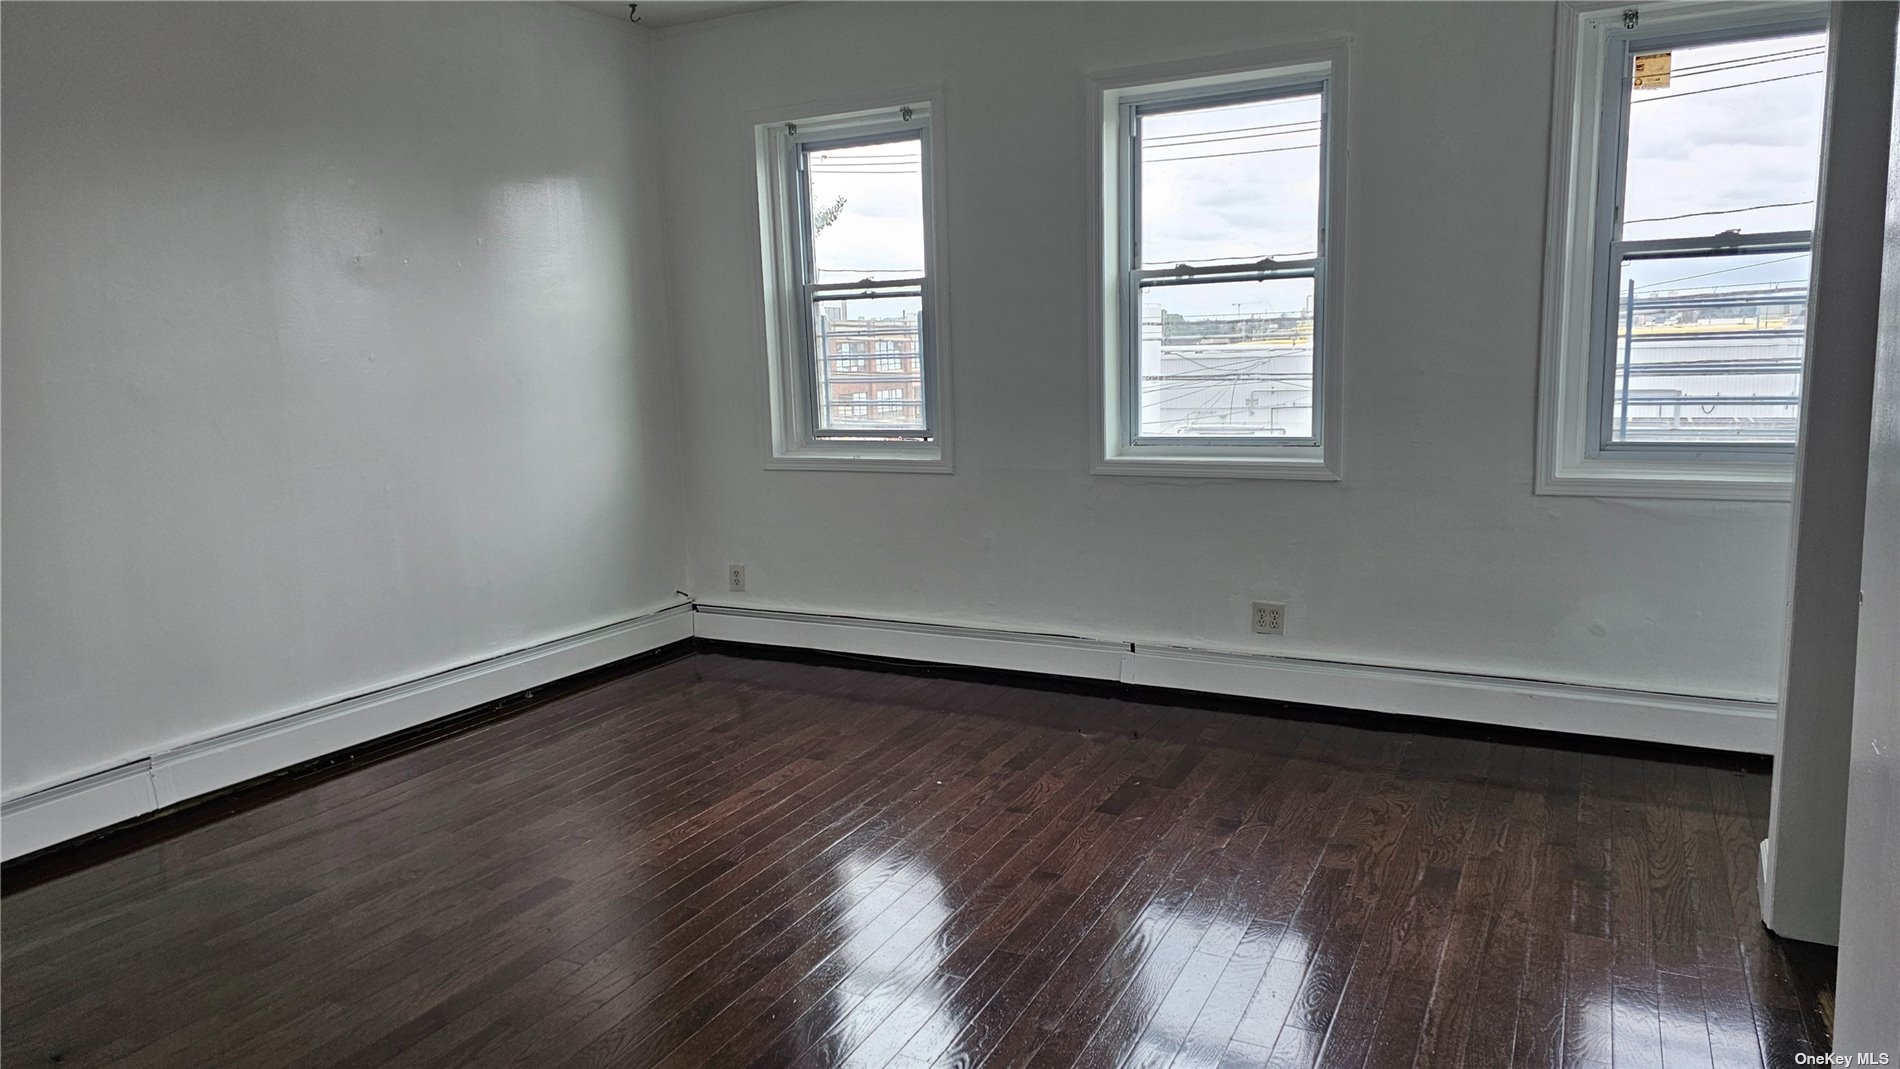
(849, 239)
(1220, 288)
(1674, 341)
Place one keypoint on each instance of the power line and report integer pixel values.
(1717, 68)
(1243, 106)
(1718, 211)
(1230, 132)
(1759, 57)
(1719, 88)
(1227, 134)
(1242, 260)
(1304, 129)
(1724, 271)
(1219, 155)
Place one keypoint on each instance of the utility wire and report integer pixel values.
(1718, 68)
(1759, 57)
(1304, 129)
(1718, 211)
(1724, 271)
(1245, 105)
(1229, 133)
(1219, 155)
(1242, 260)
(1719, 88)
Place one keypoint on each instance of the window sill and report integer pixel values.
(1689, 480)
(1268, 462)
(831, 457)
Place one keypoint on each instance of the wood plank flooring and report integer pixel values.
(737, 861)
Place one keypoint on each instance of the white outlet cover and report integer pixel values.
(1268, 618)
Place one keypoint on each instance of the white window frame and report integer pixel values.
(1114, 322)
(790, 360)
(1582, 260)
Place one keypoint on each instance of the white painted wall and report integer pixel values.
(334, 356)
(1868, 977)
(1432, 552)
(1801, 886)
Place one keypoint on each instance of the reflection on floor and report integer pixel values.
(723, 860)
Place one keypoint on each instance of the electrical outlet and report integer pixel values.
(1269, 618)
(735, 577)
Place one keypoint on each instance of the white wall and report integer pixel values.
(1868, 978)
(1433, 552)
(334, 356)
(1803, 856)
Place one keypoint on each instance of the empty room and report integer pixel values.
(891, 534)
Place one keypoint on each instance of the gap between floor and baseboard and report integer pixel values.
(165, 781)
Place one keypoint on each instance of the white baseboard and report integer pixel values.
(1610, 712)
(86, 804)
(1017, 651)
(76, 807)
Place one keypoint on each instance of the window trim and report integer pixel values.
(1114, 319)
(1573, 457)
(796, 441)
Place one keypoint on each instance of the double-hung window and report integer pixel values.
(847, 222)
(1220, 289)
(1681, 237)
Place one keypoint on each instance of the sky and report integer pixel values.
(879, 231)
(1242, 181)
(1755, 140)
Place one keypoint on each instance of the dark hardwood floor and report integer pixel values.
(732, 861)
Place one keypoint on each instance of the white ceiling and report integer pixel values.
(657, 13)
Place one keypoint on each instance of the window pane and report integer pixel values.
(866, 210)
(1227, 359)
(1231, 182)
(1710, 350)
(1733, 142)
(857, 389)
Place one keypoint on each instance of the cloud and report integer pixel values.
(1739, 146)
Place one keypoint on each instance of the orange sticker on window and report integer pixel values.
(1652, 71)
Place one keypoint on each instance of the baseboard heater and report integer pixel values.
(84, 805)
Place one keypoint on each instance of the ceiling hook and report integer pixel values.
(631, 8)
